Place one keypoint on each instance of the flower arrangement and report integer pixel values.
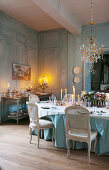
(88, 96)
(101, 97)
(96, 99)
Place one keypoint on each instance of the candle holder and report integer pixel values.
(43, 83)
(8, 90)
(73, 99)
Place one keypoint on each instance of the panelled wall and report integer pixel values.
(18, 44)
(74, 59)
(59, 52)
(54, 53)
(53, 58)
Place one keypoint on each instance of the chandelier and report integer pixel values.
(91, 52)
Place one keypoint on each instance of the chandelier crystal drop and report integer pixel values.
(91, 52)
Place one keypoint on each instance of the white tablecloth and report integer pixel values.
(45, 109)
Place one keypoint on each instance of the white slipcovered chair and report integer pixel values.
(33, 98)
(35, 122)
(78, 127)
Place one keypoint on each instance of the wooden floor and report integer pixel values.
(16, 153)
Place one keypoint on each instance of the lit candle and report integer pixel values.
(61, 94)
(83, 93)
(65, 91)
(107, 96)
(8, 85)
(73, 98)
(73, 90)
(78, 98)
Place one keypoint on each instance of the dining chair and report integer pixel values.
(78, 127)
(36, 123)
(33, 98)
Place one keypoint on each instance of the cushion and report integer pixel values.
(45, 123)
(84, 135)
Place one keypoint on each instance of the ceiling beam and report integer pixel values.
(56, 10)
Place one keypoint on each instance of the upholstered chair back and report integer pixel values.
(33, 98)
(33, 114)
(77, 119)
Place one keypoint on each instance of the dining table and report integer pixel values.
(99, 121)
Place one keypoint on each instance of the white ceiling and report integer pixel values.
(81, 10)
(29, 13)
(42, 18)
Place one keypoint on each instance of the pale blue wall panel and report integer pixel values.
(18, 44)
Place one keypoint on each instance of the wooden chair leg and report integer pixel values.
(53, 135)
(89, 145)
(73, 143)
(95, 144)
(41, 133)
(68, 149)
(38, 137)
(30, 134)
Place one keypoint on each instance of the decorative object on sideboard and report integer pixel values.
(43, 83)
(29, 88)
(8, 90)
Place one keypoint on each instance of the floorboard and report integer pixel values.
(16, 153)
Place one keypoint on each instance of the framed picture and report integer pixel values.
(21, 72)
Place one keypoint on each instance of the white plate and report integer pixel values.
(76, 79)
(77, 70)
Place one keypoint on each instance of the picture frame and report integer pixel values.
(21, 72)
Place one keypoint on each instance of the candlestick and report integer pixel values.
(73, 99)
(26, 87)
(78, 98)
(65, 91)
(8, 85)
(73, 90)
(61, 94)
(83, 93)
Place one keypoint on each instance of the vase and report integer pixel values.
(101, 104)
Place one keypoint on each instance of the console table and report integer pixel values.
(17, 100)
